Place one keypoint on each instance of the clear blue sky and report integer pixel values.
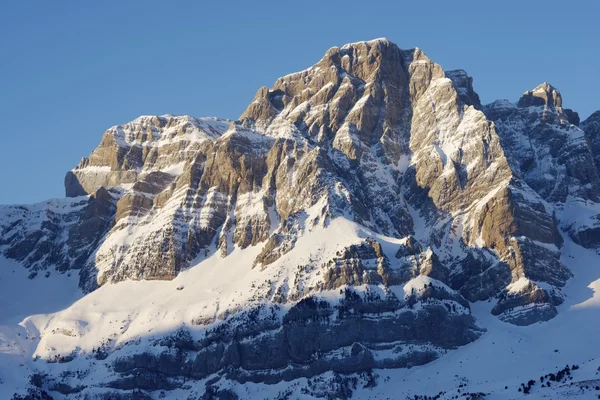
(71, 69)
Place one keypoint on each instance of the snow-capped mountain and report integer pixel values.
(362, 217)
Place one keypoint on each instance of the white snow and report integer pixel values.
(519, 285)
(93, 168)
(174, 169)
(139, 310)
(369, 42)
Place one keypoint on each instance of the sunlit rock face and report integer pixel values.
(377, 134)
(449, 202)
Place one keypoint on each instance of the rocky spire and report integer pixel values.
(464, 86)
(542, 95)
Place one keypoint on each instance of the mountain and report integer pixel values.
(362, 217)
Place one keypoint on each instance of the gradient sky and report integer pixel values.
(71, 69)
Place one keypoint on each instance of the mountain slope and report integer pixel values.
(350, 220)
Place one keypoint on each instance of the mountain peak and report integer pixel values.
(595, 116)
(542, 95)
(373, 42)
(361, 73)
(354, 203)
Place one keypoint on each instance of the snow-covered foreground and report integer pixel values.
(21, 297)
(49, 318)
(508, 355)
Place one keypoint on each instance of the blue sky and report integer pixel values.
(71, 69)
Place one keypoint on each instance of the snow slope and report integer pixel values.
(48, 318)
(20, 298)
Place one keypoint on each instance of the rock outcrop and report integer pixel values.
(59, 234)
(314, 337)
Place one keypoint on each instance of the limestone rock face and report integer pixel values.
(455, 203)
(59, 234)
(544, 149)
(359, 264)
(464, 86)
(147, 144)
(591, 127)
(587, 232)
(315, 337)
(553, 157)
(377, 134)
(544, 95)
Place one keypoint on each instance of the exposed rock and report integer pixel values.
(572, 116)
(60, 234)
(464, 86)
(544, 148)
(357, 265)
(591, 127)
(144, 145)
(218, 394)
(526, 306)
(543, 95)
(553, 157)
(314, 337)
(410, 248)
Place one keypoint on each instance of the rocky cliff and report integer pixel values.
(455, 202)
